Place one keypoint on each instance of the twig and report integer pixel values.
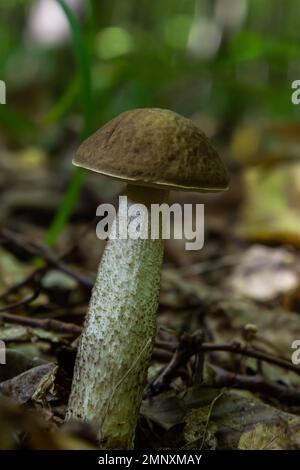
(211, 406)
(32, 279)
(166, 345)
(161, 355)
(187, 347)
(44, 324)
(47, 254)
(52, 260)
(237, 348)
(190, 345)
(22, 302)
(255, 383)
(210, 410)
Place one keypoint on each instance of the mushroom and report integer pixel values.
(153, 151)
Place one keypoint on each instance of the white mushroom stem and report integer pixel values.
(117, 340)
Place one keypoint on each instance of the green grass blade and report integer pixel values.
(63, 104)
(85, 90)
(66, 207)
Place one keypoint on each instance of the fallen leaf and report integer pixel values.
(36, 384)
(263, 437)
(235, 413)
(167, 411)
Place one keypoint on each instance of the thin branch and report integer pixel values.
(161, 355)
(49, 256)
(237, 348)
(190, 345)
(255, 383)
(187, 347)
(44, 324)
(31, 280)
(166, 345)
(30, 298)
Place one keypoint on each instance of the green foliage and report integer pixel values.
(182, 55)
(85, 89)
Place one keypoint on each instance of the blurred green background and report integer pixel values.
(71, 65)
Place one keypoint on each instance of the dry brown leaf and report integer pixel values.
(264, 437)
(36, 384)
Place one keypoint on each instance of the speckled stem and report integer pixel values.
(116, 344)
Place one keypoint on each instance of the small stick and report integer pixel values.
(32, 279)
(22, 302)
(45, 324)
(191, 345)
(47, 254)
(255, 383)
(237, 348)
(186, 348)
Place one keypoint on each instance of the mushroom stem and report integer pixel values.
(117, 340)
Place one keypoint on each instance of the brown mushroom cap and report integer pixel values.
(154, 147)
